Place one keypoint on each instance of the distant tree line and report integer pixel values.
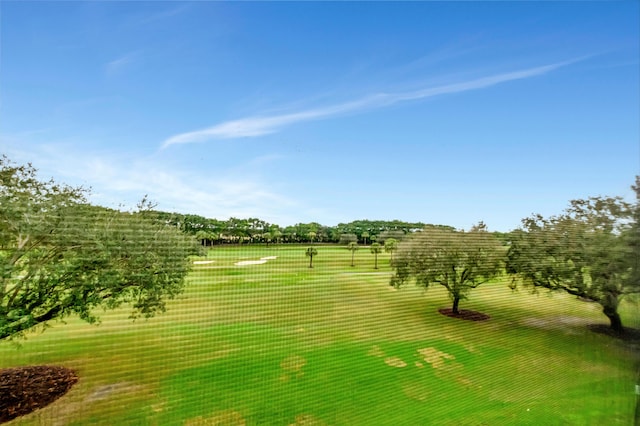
(253, 230)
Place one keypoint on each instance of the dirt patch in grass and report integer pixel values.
(464, 314)
(394, 361)
(292, 365)
(226, 418)
(26, 389)
(567, 324)
(104, 392)
(416, 391)
(376, 351)
(435, 357)
(307, 420)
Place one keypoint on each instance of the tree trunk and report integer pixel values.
(614, 318)
(310, 261)
(376, 262)
(454, 309)
(352, 255)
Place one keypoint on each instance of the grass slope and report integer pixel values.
(279, 343)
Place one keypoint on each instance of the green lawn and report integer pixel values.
(279, 343)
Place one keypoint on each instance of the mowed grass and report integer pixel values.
(279, 343)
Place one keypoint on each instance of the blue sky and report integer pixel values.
(440, 112)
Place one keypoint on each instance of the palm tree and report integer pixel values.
(202, 237)
(390, 245)
(375, 249)
(353, 246)
(365, 235)
(311, 236)
(311, 251)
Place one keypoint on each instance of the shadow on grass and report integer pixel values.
(630, 335)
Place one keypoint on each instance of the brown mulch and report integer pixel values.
(465, 314)
(26, 389)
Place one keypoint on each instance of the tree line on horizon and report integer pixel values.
(212, 231)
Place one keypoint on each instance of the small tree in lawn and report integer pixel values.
(390, 246)
(376, 248)
(311, 251)
(458, 261)
(353, 247)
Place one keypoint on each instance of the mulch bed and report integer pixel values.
(465, 314)
(25, 389)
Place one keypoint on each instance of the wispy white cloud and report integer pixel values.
(119, 181)
(162, 14)
(119, 64)
(263, 125)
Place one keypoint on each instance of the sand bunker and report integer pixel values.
(250, 262)
(255, 262)
(203, 262)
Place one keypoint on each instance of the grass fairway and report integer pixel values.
(278, 343)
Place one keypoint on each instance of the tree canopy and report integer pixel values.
(60, 255)
(586, 251)
(459, 261)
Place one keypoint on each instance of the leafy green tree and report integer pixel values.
(396, 234)
(581, 252)
(348, 238)
(458, 261)
(213, 237)
(61, 256)
(376, 249)
(353, 247)
(390, 246)
(276, 235)
(311, 251)
(632, 240)
(364, 236)
(312, 235)
(203, 237)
